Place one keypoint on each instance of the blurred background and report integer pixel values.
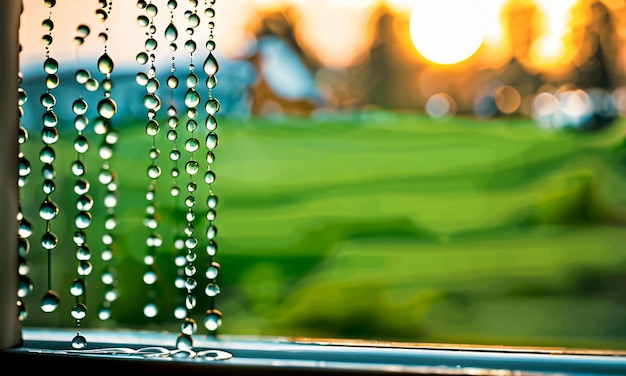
(403, 170)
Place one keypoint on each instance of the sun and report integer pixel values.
(447, 31)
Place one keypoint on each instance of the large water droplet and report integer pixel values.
(81, 144)
(107, 108)
(210, 65)
(47, 100)
(78, 287)
(192, 98)
(105, 64)
(50, 301)
(50, 66)
(79, 311)
(212, 140)
(82, 220)
(49, 241)
(79, 342)
(154, 171)
(212, 106)
(48, 210)
(184, 342)
(189, 326)
(49, 135)
(50, 119)
(213, 320)
(83, 30)
(192, 145)
(170, 32)
(152, 128)
(212, 290)
(79, 107)
(81, 76)
(212, 271)
(81, 122)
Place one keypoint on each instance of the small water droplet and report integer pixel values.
(190, 46)
(83, 30)
(142, 58)
(84, 268)
(81, 186)
(210, 123)
(92, 84)
(78, 168)
(150, 310)
(152, 85)
(101, 14)
(49, 241)
(79, 106)
(151, 44)
(107, 108)
(151, 10)
(47, 24)
(47, 100)
(50, 119)
(192, 98)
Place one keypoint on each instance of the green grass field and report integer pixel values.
(375, 226)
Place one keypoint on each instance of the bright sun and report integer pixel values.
(447, 31)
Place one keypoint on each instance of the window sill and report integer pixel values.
(282, 356)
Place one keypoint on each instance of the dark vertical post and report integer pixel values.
(10, 328)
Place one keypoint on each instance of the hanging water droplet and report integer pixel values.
(48, 186)
(193, 20)
(81, 186)
(151, 44)
(107, 108)
(212, 140)
(48, 210)
(79, 342)
(152, 128)
(209, 177)
(172, 82)
(142, 58)
(79, 107)
(83, 253)
(78, 287)
(152, 85)
(212, 290)
(82, 220)
(212, 271)
(191, 80)
(47, 100)
(50, 66)
(192, 167)
(143, 21)
(49, 135)
(105, 64)
(211, 201)
(83, 30)
(210, 124)
(151, 10)
(141, 78)
(209, 12)
(84, 268)
(47, 24)
(50, 119)
(190, 270)
(48, 171)
(25, 229)
(170, 32)
(184, 342)
(154, 172)
(192, 145)
(81, 76)
(151, 101)
(210, 65)
(78, 168)
(81, 122)
(81, 144)
(192, 98)
(47, 39)
(211, 215)
(103, 37)
(213, 320)
(79, 312)
(49, 241)
(175, 155)
(24, 286)
(101, 14)
(189, 326)
(50, 301)
(212, 106)
(154, 153)
(92, 84)
(23, 247)
(190, 46)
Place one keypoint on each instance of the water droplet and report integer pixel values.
(213, 270)
(79, 106)
(192, 98)
(190, 46)
(143, 21)
(24, 287)
(49, 241)
(190, 300)
(81, 186)
(101, 125)
(184, 342)
(47, 24)
(48, 186)
(150, 310)
(105, 64)
(78, 287)
(107, 108)
(170, 32)
(210, 65)
(25, 229)
(175, 155)
(211, 140)
(209, 12)
(192, 167)
(23, 247)
(210, 123)
(22, 96)
(192, 145)
(78, 168)
(81, 122)
(152, 102)
(81, 76)
(189, 326)
(47, 100)
(50, 301)
(152, 85)
(172, 82)
(101, 14)
(211, 201)
(212, 290)
(50, 119)
(152, 128)
(211, 215)
(212, 106)
(47, 39)
(92, 84)
(154, 172)
(103, 37)
(151, 10)
(79, 342)
(49, 135)
(82, 220)
(79, 312)
(48, 171)
(83, 30)
(50, 66)
(209, 177)
(48, 210)
(141, 78)
(142, 58)
(213, 320)
(192, 125)
(151, 44)
(81, 144)
(84, 268)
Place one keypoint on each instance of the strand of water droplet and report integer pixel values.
(191, 100)
(213, 316)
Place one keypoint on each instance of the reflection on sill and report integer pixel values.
(154, 352)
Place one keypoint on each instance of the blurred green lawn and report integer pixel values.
(372, 225)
